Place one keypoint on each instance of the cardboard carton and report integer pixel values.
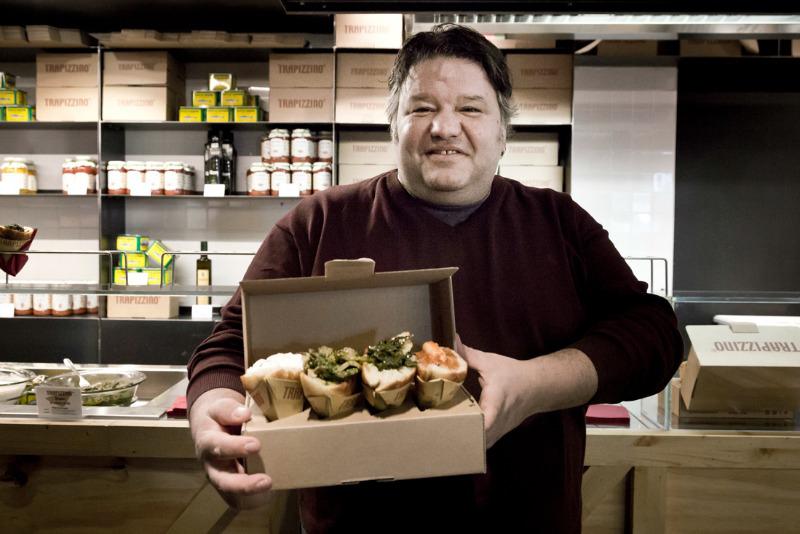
(742, 367)
(301, 105)
(139, 103)
(623, 48)
(350, 174)
(352, 306)
(710, 48)
(142, 306)
(542, 71)
(68, 104)
(142, 68)
(368, 31)
(535, 176)
(531, 149)
(366, 148)
(301, 70)
(67, 70)
(363, 70)
(543, 106)
(361, 106)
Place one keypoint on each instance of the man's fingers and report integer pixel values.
(228, 412)
(229, 477)
(218, 445)
(473, 357)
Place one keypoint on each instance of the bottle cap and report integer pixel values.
(204, 246)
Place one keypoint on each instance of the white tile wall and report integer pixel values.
(623, 159)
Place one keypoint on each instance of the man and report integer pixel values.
(550, 317)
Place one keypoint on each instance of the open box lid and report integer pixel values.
(350, 306)
(742, 367)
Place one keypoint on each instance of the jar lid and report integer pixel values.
(301, 166)
(278, 132)
(115, 164)
(319, 165)
(258, 166)
(86, 158)
(301, 132)
(155, 165)
(281, 166)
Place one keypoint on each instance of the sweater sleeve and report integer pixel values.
(218, 361)
(632, 336)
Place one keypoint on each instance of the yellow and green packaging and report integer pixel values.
(219, 114)
(133, 260)
(205, 99)
(191, 114)
(234, 97)
(132, 242)
(12, 97)
(221, 81)
(20, 113)
(153, 275)
(156, 250)
(7, 80)
(246, 114)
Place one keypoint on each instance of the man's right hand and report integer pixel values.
(212, 417)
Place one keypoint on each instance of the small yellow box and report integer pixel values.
(156, 250)
(132, 242)
(205, 99)
(221, 81)
(219, 114)
(246, 114)
(7, 80)
(234, 97)
(11, 97)
(123, 276)
(252, 100)
(20, 113)
(189, 114)
(133, 260)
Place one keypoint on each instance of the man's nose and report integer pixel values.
(446, 124)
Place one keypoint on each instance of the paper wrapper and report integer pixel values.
(435, 392)
(13, 263)
(380, 400)
(278, 397)
(326, 405)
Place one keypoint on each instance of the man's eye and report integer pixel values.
(422, 109)
(470, 109)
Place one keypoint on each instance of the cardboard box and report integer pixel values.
(351, 306)
(301, 70)
(205, 99)
(531, 149)
(247, 114)
(13, 97)
(742, 367)
(710, 48)
(795, 47)
(543, 106)
(542, 71)
(219, 114)
(368, 31)
(67, 104)
(627, 48)
(20, 114)
(535, 176)
(142, 306)
(363, 70)
(366, 148)
(191, 114)
(67, 70)
(139, 103)
(300, 105)
(142, 68)
(350, 174)
(361, 106)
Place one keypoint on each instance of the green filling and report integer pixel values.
(332, 365)
(392, 353)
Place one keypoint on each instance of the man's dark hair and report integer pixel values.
(451, 40)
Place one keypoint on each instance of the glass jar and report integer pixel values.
(32, 183)
(325, 147)
(281, 174)
(154, 176)
(85, 170)
(134, 174)
(14, 174)
(321, 176)
(92, 304)
(42, 304)
(173, 178)
(188, 180)
(301, 175)
(258, 180)
(61, 304)
(265, 155)
(67, 174)
(23, 304)
(78, 304)
(279, 146)
(303, 148)
(116, 178)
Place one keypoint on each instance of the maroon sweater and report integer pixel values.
(536, 274)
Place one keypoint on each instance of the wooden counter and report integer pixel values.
(141, 476)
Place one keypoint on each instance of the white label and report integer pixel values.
(6, 310)
(58, 402)
(117, 180)
(9, 187)
(278, 147)
(214, 190)
(139, 189)
(302, 179)
(278, 179)
(155, 179)
(301, 147)
(259, 181)
(23, 301)
(42, 302)
(92, 301)
(78, 302)
(136, 278)
(201, 312)
(325, 149)
(288, 190)
(61, 303)
(79, 185)
(322, 180)
(173, 181)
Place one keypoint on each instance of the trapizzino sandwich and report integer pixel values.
(330, 380)
(440, 373)
(13, 236)
(389, 370)
(274, 384)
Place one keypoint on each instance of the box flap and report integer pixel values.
(728, 369)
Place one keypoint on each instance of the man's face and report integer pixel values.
(449, 132)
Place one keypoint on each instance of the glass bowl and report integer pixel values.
(107, 387)
(13, 382)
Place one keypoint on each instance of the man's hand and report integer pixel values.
(513, 390)
(212, 415)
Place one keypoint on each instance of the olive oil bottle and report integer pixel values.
(203, 271)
